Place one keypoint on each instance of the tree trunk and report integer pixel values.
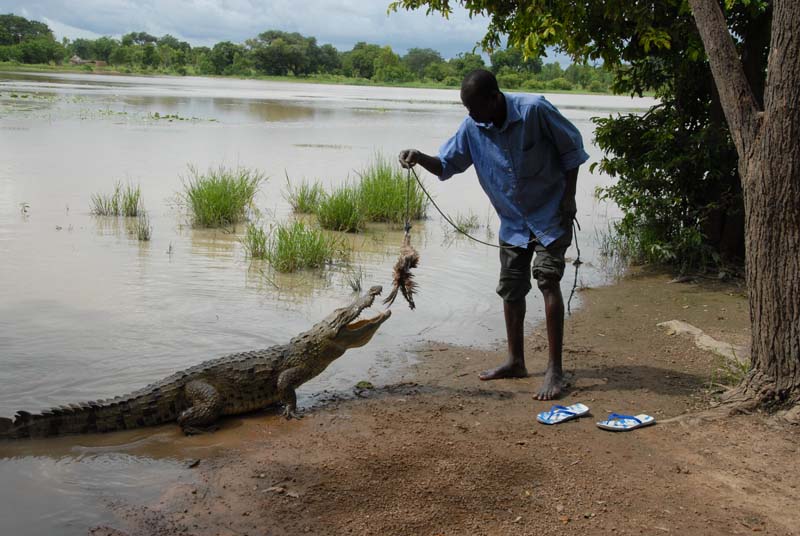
(768, 143)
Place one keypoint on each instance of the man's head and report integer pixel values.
(481, 96)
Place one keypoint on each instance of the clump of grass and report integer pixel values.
(341, 210)
(122, 202)
(107, 204)
(306, 197)
(221, 196)
(467, 223)
(141, 227)
(385, 193)
(296, 245)
(730, 372)
(255, 242)
(130, 204)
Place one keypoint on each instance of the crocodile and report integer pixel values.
(197, 397)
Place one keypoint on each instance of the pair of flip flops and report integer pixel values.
(615, 422)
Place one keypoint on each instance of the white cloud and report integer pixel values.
(204, 22)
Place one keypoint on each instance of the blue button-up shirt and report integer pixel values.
(521, 165)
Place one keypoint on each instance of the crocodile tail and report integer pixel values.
(61, 420)
(111, 415)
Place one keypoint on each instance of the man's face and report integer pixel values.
(480, 107)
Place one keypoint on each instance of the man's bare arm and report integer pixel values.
(411, 157)
(568, 206)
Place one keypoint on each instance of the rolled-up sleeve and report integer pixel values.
(455, 154)
(564, 135)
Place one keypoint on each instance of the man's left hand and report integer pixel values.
(568, 210)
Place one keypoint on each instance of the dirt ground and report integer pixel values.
(441, 453)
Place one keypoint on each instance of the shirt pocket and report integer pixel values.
(531, 162)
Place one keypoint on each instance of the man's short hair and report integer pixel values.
(480, 83)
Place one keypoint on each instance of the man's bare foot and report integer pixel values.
(509, 370)
(552, 386)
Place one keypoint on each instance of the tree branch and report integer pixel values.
(738, 99)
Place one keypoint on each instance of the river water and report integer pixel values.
(88, 312)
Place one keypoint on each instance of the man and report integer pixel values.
(526, 156)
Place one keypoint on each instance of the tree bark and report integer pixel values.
(768, 144)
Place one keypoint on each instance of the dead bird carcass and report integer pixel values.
(403, 278)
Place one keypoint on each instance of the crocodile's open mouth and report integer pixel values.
(378, 319)
(353, 330)
(360, 330)
(358, 323)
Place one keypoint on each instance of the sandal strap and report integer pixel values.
(618, 416)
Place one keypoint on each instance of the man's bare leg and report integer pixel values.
(553, 383)
(514, 313)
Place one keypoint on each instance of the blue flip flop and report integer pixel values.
(625, 423)
(558, 414)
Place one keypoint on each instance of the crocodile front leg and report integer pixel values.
(205, 408)
(288, 381)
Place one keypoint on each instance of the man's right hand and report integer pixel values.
(409, 158)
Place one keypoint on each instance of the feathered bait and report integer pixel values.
(403, 278)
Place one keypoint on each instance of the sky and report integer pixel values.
(341, 23)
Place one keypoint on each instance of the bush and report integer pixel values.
(560, 84)
(533, 85)
(41, 50)
(671, 177)
(10, 53)
(596, 86)
(221, 196)
(510, 80)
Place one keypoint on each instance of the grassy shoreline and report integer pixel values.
(312, 79)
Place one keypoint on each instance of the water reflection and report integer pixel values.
(66, 485)
(213, 243)
(68, 496)
(272, 111)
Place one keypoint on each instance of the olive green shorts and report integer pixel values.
(515, 266)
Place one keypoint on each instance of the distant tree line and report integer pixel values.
(277, 53)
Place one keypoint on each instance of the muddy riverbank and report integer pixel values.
(438, 452)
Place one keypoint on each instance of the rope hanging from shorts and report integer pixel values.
(576, 263)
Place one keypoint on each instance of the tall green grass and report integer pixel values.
(221, 196)
(306, 197)
(131, 201)
(341, 211)
(107, 204)
(385, 193)
(296, 245)
(122, 202)
(141, 227)
(255, 242)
